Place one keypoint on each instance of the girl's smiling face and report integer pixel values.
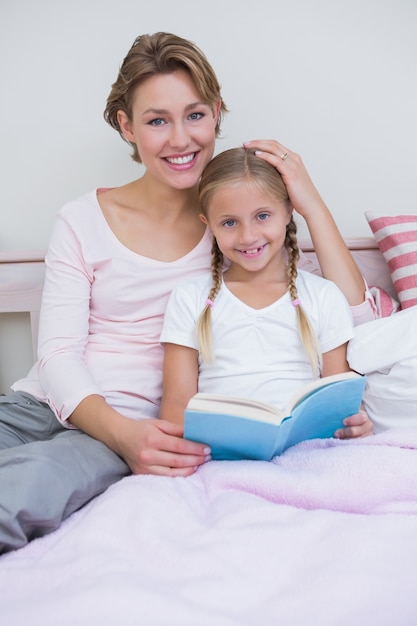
(172, 128)
(249, 225)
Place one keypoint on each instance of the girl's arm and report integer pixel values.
(336, 262)
(335, 361)
(358, 425)
(180, 381)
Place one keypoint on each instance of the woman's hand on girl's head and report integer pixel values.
(154, 446)
(303, 195)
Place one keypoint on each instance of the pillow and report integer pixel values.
(390, 396)
(396, 236)
(381, 343)
(386, 351)
(386, 305)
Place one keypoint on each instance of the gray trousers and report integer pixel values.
(46, 471)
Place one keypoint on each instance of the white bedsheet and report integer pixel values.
(324, 535)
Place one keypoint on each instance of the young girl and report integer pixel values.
(87, 414)
(261, 329)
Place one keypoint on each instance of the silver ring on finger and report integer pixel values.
(284, 156)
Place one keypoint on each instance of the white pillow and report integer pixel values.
(390, 398)
(386, 351)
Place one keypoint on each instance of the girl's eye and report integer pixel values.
(263, 216)
(157, 122)
(196, 116)
(229, 223)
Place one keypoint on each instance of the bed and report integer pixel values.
(324, 534)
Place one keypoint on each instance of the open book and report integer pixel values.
(239, 428)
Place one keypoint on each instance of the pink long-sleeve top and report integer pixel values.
(101, 316)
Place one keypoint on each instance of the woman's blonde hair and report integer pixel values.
(161, 53)
(227, 168)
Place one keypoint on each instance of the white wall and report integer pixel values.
(334, 80)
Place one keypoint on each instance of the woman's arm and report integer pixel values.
(336, 262)
(180, 381)
(358, 425)
(148, 446)
(64, 322)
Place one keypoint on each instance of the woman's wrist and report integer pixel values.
(99, 420)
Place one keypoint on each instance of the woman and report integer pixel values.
(113, 259)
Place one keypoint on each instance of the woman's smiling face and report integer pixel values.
(172, 128)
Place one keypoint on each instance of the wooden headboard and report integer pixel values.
(21, 282)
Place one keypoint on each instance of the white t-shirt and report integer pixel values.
(258, 353)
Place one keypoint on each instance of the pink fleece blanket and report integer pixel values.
(326, 534)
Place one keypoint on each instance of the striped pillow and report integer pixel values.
(385, 304)
(396, 236)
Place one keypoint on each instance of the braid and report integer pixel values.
(308, 336)
(204, 333)
(291, 247)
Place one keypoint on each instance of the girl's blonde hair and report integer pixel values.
(229, 167)
(161, 53)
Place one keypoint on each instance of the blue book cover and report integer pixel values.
(245, 429)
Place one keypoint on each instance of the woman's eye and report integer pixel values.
(196, 116)
(157, 122)
(229, 223)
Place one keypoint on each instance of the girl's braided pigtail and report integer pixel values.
(308, 336)
(204, 334)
